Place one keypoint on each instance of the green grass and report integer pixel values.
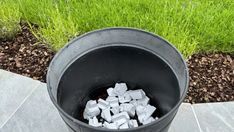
(9, 19)
(191, 25)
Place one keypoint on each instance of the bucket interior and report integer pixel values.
(90, 75)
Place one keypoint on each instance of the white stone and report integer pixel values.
(124, 126)
(120, 120)
(149, 111)
(113, 101)
(86, 116)
(102, 104)
(91, 109)
(141, 117)
(121, 99)
(120, 89)
(106, 115)
(129, 108)
(122, 104)
(110, 92)
(149, 120)
(114, 104)
(140, 109)
(91, 103)
(137, 94)
(143, 113)
(134, 102)
(143, 101)
(110, 125)
(91, 112)
(125, 114)
(121, 108)
(125, 98)
(94, 122)
(115, 110)
(132, 123)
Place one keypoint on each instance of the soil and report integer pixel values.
(25, 55)
(211, 75)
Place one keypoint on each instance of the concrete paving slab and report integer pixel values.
(215, 117)
(14, 89)
(185, 120)
(37, 114)
(25, 106)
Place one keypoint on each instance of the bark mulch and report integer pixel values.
(25, 55)
(211, 78)
(211, 75)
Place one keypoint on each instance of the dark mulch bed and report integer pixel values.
(211, 75)
(211, 78)
(24, 55)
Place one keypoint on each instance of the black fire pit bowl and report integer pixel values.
(91, 63)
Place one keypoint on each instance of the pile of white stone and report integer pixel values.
(122, 109)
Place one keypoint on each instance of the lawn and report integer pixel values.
(191, 25)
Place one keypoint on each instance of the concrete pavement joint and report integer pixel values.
(199, 126)
(39, 84)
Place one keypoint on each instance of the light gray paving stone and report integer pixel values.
(26, 107)
(37, 114)
(215, 117)
(14, 89)
(185, 120)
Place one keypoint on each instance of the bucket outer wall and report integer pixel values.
(132, 37)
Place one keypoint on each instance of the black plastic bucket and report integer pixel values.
(89, 64)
